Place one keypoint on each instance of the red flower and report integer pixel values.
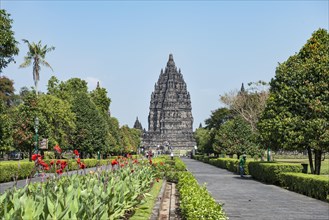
(58, 162)
(35, 156)
(82, 165)
(128, 156)
(63, 164)
(52, 162)
(58, 149)
(59, 171)
(114, 162)
(78, 161)
(46, 168)
(76, 152)
(122, 165)
(43, 163)
(135, 161)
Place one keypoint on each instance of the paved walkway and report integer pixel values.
(245, 198)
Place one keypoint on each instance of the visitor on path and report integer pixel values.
(241, 164)
(172, 155)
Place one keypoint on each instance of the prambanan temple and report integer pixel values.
(170, 121)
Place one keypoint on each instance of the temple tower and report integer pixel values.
(170, 121)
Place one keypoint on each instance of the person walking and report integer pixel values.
(241, 164)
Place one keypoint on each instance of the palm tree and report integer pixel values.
(37, 53)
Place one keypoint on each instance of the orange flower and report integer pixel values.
(114, 162)
(58, 149)
(78, 161)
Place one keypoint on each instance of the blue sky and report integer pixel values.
(124, 44)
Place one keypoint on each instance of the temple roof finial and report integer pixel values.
(171, 60)
(97, 85)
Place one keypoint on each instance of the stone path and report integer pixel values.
(245, 198)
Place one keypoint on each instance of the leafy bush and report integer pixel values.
(195, 200)
(179, 164)
(12, 170)
(229, 164)
(99, 195)
(310, 185)
(270, 172)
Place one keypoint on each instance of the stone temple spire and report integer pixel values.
(171, 62)
(170, 118)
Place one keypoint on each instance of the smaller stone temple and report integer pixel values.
(170, 121)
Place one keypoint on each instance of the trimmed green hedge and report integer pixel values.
(270, 172)
(195, 200)
(229, 164)
(9, 169)
(310, 185)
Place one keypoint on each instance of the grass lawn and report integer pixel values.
(144, 211)
(324, 164)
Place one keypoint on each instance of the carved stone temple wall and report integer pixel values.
(170, 121)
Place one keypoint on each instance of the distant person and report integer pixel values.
(172, 155)
(241, 164)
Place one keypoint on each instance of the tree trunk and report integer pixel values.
(317, 161)
(310, 159)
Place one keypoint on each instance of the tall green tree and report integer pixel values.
(235, 136)
(36, 54)
(8, 44)
(297, 113)
(203, 139)
(6, 130)
(218, 117)
(91, 128)
(6, 90)
(23, 122)
(100, 98)
(57, 121)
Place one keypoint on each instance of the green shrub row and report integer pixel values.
(270, 172)
(307, 184)
(11, 171)
(195, 200)
(23, 169)
(229, 164)
(179, 164)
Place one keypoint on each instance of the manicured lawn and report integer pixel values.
(324, 164)
(144, 211)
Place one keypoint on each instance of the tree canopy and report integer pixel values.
(297, 111)
(8, 43)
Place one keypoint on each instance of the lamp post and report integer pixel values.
(36, 127)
